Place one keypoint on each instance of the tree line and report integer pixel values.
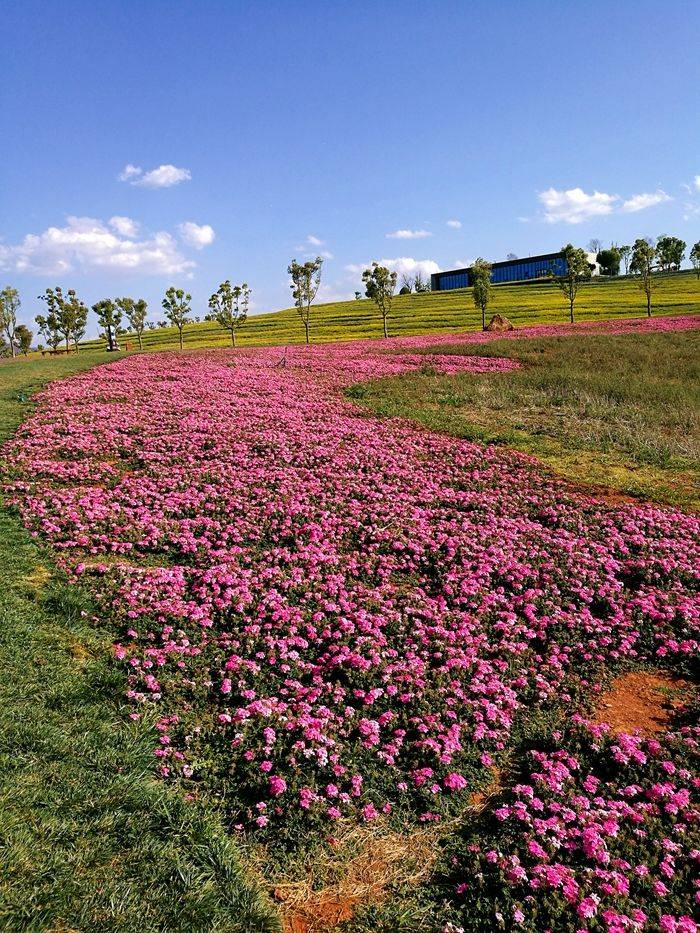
(644, 259)
(66, 317)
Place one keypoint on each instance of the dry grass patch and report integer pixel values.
(361, 867)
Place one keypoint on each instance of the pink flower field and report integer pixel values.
(334, 617)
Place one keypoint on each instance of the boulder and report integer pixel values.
(499, 323)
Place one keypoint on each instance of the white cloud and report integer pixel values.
(334, 291)
(87, 244)
(165, 176)
(129, 171)
(640, 202)
(314, 240)
(124, 225)
(463, 263)
(455, 224)
(326, 254)
(573, 206)
(403, 265)
(696, 182)
(196, 235)
(409, 234)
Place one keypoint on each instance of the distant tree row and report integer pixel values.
(66, 317)
(643, 260)
(669, 254)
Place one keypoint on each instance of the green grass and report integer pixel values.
(90, 839)
(621, 411)
(441, 312)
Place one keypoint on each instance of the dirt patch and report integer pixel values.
(480, 800)
(366, 865)
(642, 700)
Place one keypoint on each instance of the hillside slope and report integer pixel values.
(436, 312)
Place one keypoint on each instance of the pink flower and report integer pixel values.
(277, 785)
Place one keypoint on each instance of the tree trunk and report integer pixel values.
(140, 342)
(233, 338)
(648, 304)
(386, 333)
(483, 317)
(571, 311)
(306, 328)
(180, 331)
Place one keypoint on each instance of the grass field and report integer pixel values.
(96, 843)
(440, 312)
(621, 411)
(90, 839)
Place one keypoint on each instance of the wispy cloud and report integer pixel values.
(124, 225)
(409, 234)
(87, 244)
(573, 206)
(314, 241)
(196, 235)
(640, 202)
(455, 224)
(403, 265)
(164, 176)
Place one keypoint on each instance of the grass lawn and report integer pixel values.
(439, 312)
(90, 839)
(620, 411)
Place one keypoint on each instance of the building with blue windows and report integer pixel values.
(512, 270)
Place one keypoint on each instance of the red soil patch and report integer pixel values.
(365, 868)
(325, 914)
(642, 700)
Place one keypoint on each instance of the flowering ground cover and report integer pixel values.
(338, 617)
(600, 832)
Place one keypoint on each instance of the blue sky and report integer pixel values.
(258, 132)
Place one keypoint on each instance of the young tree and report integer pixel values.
(9, 306)
(480, 274)
(511, 256)
(670, 251)
(135, 313)
(577, 271)
(358, 296)
(420, 284)
(109, 315)
(609, 261)
(695, 258)
(642, 264)
(306, 278)
(229, 306)
(379, 285)
(407, 282)
(48, 328)
(66, 314)
(595, 245)
(24, 338)
(625, 253)
(176, 305)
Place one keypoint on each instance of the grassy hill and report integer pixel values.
(436, 312)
